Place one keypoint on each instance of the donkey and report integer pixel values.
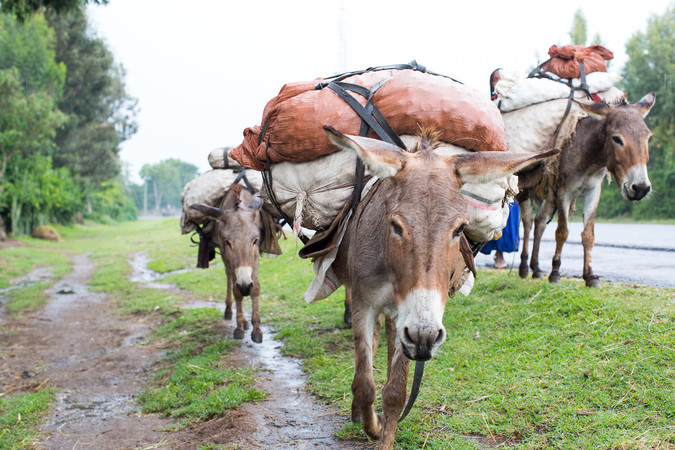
(401, 255)
(614, 138)
(237, 234)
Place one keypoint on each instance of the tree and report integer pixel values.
(100, 113)
(651, 67)
(167, 179)
(578, 33)
(24, 8)
(30, 82)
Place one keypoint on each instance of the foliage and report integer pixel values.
(651, 68)
(30, 82)
(112, 201)
(37, 194)
(100, 113)
(166, 179)
(24, 8)
(578, 33)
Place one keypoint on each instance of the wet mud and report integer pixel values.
(98, 361)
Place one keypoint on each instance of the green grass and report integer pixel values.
(195, 383)
(531, 363)
(20, 415)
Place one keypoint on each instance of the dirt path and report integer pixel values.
(99, 361)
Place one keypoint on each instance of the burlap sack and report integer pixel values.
(408, 99)
(565, 60)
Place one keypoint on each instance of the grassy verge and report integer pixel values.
(194, 383)
(20, 415)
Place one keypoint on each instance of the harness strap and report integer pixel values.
(414, 390)
(226, 163)
(242, 176)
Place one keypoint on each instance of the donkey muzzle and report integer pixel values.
(244, 280)
(637, 191)
(421, 329)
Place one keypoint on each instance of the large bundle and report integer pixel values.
(564, 61)
(515, 91)
(292, 125)
(219, 158)
(209, 189)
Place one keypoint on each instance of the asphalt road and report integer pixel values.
(641, 254)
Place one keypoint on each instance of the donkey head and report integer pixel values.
(424, 215)
(626, 143)
(237, 233)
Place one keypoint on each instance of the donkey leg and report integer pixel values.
(393, 398)
(591, 200)
(363, 386)
(228, 297)
(348, 306)
(256, 334)
(241, 321)
(526, 218)
(561, 234)
(542, 217)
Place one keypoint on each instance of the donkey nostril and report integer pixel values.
(440, 337)
(406, 335)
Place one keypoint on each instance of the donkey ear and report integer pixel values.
(485, 167)
(382, 159)
(208, 210)
(645, 104)
(598, 110)
(256, 202)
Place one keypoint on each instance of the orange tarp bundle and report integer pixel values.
(408, 99)
(564, 60)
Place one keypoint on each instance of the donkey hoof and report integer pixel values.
(246, 325)
(554, 277)
(238, 334)
(593, 281)
(537, 274)
(348, 317)
(523, 270)
(228, 315)
(256, 336)
(356, 414)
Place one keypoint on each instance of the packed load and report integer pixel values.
(292, 123)
(209, 188)
(313, 192)
(220, 158)
(573, 71)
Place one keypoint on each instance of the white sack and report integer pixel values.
(530, 129)
(209, 188)
(218, 156)
(515, 91)
(324, 185)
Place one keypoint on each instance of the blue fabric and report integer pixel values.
(509, 241)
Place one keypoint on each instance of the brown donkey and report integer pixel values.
(237, 235)
(613, 138)
(403, 251)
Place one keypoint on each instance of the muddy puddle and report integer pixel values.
(290, 417)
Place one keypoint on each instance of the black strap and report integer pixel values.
(242, 176)
(414, 390)
(226, 164)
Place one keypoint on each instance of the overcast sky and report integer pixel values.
(203, 70)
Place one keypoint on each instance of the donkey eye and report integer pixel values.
(229, 244)
(255, 242)
(396, 229)
(617, 140)
(459, 230)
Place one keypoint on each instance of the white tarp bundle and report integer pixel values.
(208, 189)
(219, 159)
(314, 192)
(515, 90)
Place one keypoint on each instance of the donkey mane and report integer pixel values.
(429, 138)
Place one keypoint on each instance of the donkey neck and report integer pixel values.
(591, 143)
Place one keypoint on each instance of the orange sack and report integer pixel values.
(408, 99)
(564, 60)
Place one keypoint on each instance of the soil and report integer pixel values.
(98, 361)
